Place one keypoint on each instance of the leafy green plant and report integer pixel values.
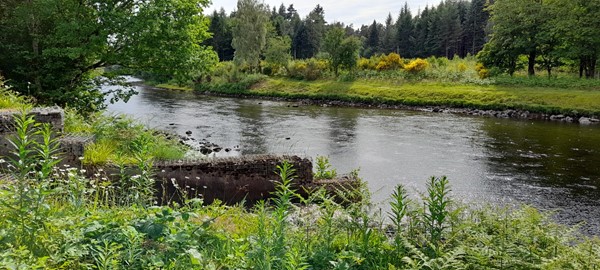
(324, 170)
(437, 203)
(273, 250)
(31, 163)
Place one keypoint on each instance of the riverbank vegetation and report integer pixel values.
(55, 218)
(436, 57)
(117, 139)
(460, 83)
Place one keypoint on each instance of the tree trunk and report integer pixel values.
(592, 69)
(581, 65)
(549, 67)
(531, 69)
(587, 66)
(35, 47)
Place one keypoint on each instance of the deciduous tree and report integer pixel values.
(250, 32)
(51, 48)
(342, 50)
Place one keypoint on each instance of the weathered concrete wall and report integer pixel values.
(53, 116)
(230, 180)
(72, 147)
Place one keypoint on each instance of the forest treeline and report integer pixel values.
(451, 28)
(507, 35)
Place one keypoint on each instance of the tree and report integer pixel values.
(342, 50)
(518, 22)
(278, 51)
(405, 32)
(450, 30)
(422, 26)
(433, 42)
(388, 42)
(221, 28)
(477, 18)
(50, 49)
(310, 34)
(250, 32)
(372, 41)
(578, 23)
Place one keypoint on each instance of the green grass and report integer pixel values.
(10, 100)
(544, 99)
(173, 87)
(451, 83)
(115, 138)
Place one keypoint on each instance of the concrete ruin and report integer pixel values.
(230, 180)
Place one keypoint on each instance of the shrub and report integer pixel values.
(365, 64)
(115, 136)
(391, 61)
(416, 66)
(437, 62)
(311, 69)
(462, 67)
(483, 72)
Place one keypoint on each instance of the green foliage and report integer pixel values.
(535, 94)
(117, 139)
(277, 54)
(543, 31)
(31, 164)
(437, 215)
(342, 51)
(77, 226)
(250, 32)
(324, 170)
(52, 49)
(221, 26)
(10, 99)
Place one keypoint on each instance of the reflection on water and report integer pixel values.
(548, 165)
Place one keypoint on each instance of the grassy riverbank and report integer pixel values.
(551, 98)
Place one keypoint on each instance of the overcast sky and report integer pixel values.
(355, 12)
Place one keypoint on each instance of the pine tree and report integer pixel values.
(220, 27)
(477, 18)
(422, 25)
(372, 41)
(405, 32)
(450, 30)
(388, 42)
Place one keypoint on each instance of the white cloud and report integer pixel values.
(355, 12)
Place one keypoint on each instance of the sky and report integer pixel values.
(356, 12)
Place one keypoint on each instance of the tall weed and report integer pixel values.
(31, 164)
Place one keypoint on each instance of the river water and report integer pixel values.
(552, 166)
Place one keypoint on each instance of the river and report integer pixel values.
(550, 165)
